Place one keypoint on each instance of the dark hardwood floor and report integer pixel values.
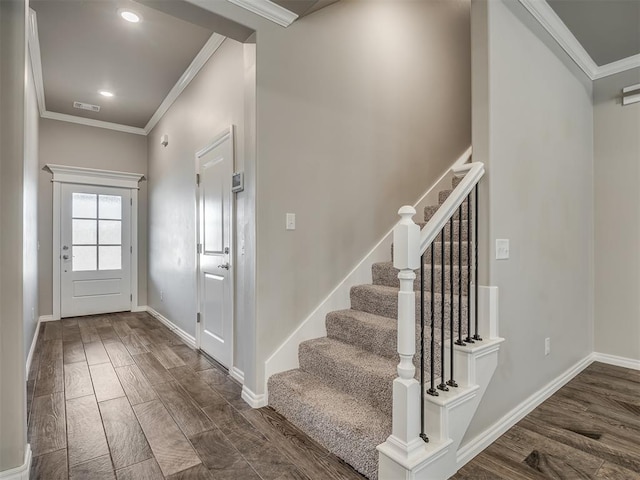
(121, 396)
(589, 429)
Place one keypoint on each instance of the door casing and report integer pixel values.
(95, 177)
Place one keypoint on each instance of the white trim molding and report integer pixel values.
(186, 338)
(207, 51)
(90, 122)
(94, 176)
(269, 10)
(46, 318)
(631, 363)
(36, 60)
(491, 434)
(552, 23)
(252, 399)
(21, 472)
(237, 374)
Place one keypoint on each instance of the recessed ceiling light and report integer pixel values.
(105, 93)
(129, 16)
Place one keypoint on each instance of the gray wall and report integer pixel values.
(13, 435)
(360, 107)
(538, 193)
(617, 217)
(75, 145)
(212, 102)
(30, 249)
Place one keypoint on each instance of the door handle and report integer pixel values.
(226, 266)
(65, 257)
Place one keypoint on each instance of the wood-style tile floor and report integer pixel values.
(121, 396)
(589, 429)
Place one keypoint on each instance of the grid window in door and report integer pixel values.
(96, 232)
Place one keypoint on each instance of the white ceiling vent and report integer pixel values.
(86, 106)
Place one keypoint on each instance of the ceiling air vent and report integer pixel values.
(86, 106)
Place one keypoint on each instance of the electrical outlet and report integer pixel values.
(502, 249)
(33, 314)
(547, 346)
(161, 296)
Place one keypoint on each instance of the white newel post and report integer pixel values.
(404, 442)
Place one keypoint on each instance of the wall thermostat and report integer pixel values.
(237, 182)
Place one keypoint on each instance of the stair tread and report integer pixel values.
(436, 265)
(387, 291)
(344, 424)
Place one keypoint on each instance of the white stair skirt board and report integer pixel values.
(254, 400)
(633, 364)
(286, 355)
(186, 338)
(447, 418)
(490, 435)
(21, 472)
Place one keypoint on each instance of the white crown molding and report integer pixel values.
(209, 48)
(94, 176)
(36, 61)
(552, 23)
(269, 10)
(63, 117)
(617, 67)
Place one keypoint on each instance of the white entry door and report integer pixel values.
(215, 272)
(95, 256)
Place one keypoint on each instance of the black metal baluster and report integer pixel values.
(469, 339)
(451, 382)
(476, 336)
(459, 341)
(432, 390)
(423, 435)
(443, 385)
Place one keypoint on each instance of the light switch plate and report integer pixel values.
(502, 249)
(291, 221)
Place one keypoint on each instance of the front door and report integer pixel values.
(95, 239)
(215, 282)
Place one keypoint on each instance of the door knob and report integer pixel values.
(226, 266)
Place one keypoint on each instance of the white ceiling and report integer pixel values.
(609, 30)
(86, 47)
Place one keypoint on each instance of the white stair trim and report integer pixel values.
(491, 434)
(285, 357)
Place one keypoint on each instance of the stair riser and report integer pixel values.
(384, 274)
(387, 305)
(376, 388)
(447, 253)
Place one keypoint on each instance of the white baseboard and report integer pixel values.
(32, 349)
(617, 361)
(491, 434)
(140, 308)
(285, 357)
(254, 401)
(237, 374)
(46, 318)
(188, 339)
(21, 472)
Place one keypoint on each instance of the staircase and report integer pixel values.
(342, 393)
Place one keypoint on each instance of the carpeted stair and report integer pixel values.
(342, 393)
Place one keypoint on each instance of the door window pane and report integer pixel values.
(84, 232)
(110, 258)
(84, 205)
(110, 207)
(84, 259)
(110, 232)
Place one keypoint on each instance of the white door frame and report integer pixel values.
(95, 177)
(217, 140)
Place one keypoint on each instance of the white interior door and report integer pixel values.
(95, 256)
(215, 272)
